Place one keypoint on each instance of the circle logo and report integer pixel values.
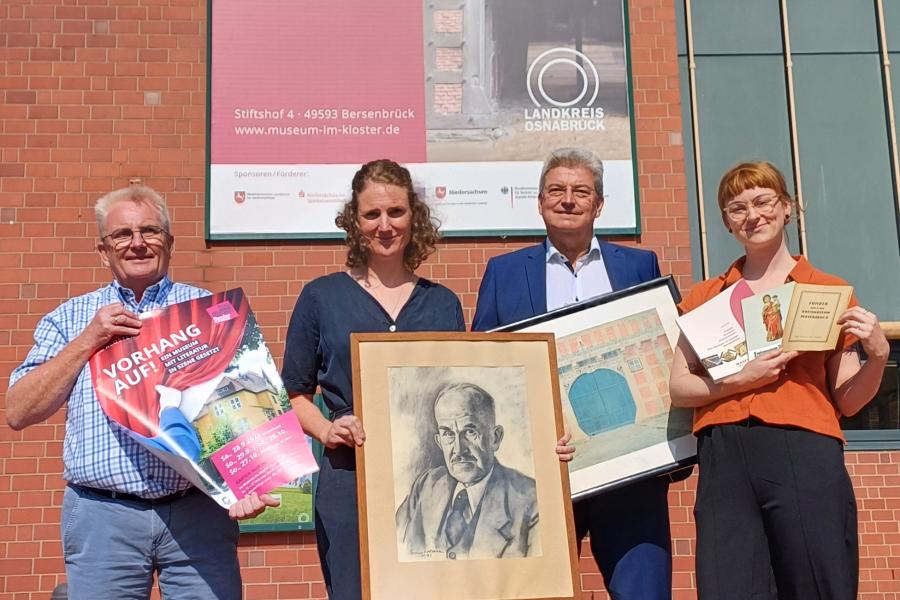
(590, 80)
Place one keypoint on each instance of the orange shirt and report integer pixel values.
(801, 396)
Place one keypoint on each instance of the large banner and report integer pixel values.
(471, 96)
(198, 388)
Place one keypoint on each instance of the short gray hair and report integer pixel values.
(482, 400)
(574, 158)
(134, 193)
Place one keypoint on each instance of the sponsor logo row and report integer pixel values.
(439, 193)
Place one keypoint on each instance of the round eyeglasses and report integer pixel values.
(763, 205)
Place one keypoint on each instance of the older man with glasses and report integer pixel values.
(126, 515)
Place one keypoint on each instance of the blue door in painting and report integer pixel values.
(602, 401)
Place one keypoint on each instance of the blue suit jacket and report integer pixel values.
(634, 555)
(514, 285)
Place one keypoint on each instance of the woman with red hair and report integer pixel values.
(775, 509)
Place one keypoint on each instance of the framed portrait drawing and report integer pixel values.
(461, 495)
(614, 353)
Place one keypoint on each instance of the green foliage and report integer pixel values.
(222, 433)
(296, 507)
(252, 339)
(284, 399)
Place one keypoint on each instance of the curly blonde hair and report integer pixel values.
(424, 228)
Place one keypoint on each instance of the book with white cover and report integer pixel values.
(715, 330)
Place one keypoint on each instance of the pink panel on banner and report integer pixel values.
(266, 457)
(277, 98)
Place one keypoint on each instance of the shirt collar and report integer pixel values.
(552, 254)
(802, 272)
(475, 491)
(160, 289)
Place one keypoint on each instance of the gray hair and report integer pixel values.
(134, 193)
(482, 400)
(574, 158)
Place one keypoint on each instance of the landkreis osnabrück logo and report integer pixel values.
(576, 112)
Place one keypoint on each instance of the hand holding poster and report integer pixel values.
(198, 388)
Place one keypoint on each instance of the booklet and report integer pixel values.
(764, 318)
(811, 322)
(199, 389)
(715, 330)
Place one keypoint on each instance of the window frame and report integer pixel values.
(878, 439)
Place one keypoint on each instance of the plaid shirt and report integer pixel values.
(98, 453)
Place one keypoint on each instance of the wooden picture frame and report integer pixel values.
(431, 431)
(621, 343)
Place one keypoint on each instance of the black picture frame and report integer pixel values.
(609, 451)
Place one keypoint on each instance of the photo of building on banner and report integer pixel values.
(470, 97)
(199, 389)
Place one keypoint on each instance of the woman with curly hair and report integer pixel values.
(389, 233)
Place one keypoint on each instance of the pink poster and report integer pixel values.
(317, 82)
(265, 457)
(198, 387)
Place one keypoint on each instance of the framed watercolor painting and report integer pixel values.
(614, 353)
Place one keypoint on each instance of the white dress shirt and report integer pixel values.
(566, 285)
(474, 491)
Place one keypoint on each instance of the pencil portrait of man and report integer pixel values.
(471, 505)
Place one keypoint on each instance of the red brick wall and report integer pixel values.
(94, 93)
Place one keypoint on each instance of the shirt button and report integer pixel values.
(392, 328)
(451, 555)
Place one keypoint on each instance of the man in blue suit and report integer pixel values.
(629, 527)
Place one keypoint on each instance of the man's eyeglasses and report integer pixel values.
(764, 205)
(558, 192)
(122, 237)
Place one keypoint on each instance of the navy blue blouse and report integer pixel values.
(332, 307)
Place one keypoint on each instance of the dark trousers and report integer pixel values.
(630, 539)
(337, 524)
(775, 511)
